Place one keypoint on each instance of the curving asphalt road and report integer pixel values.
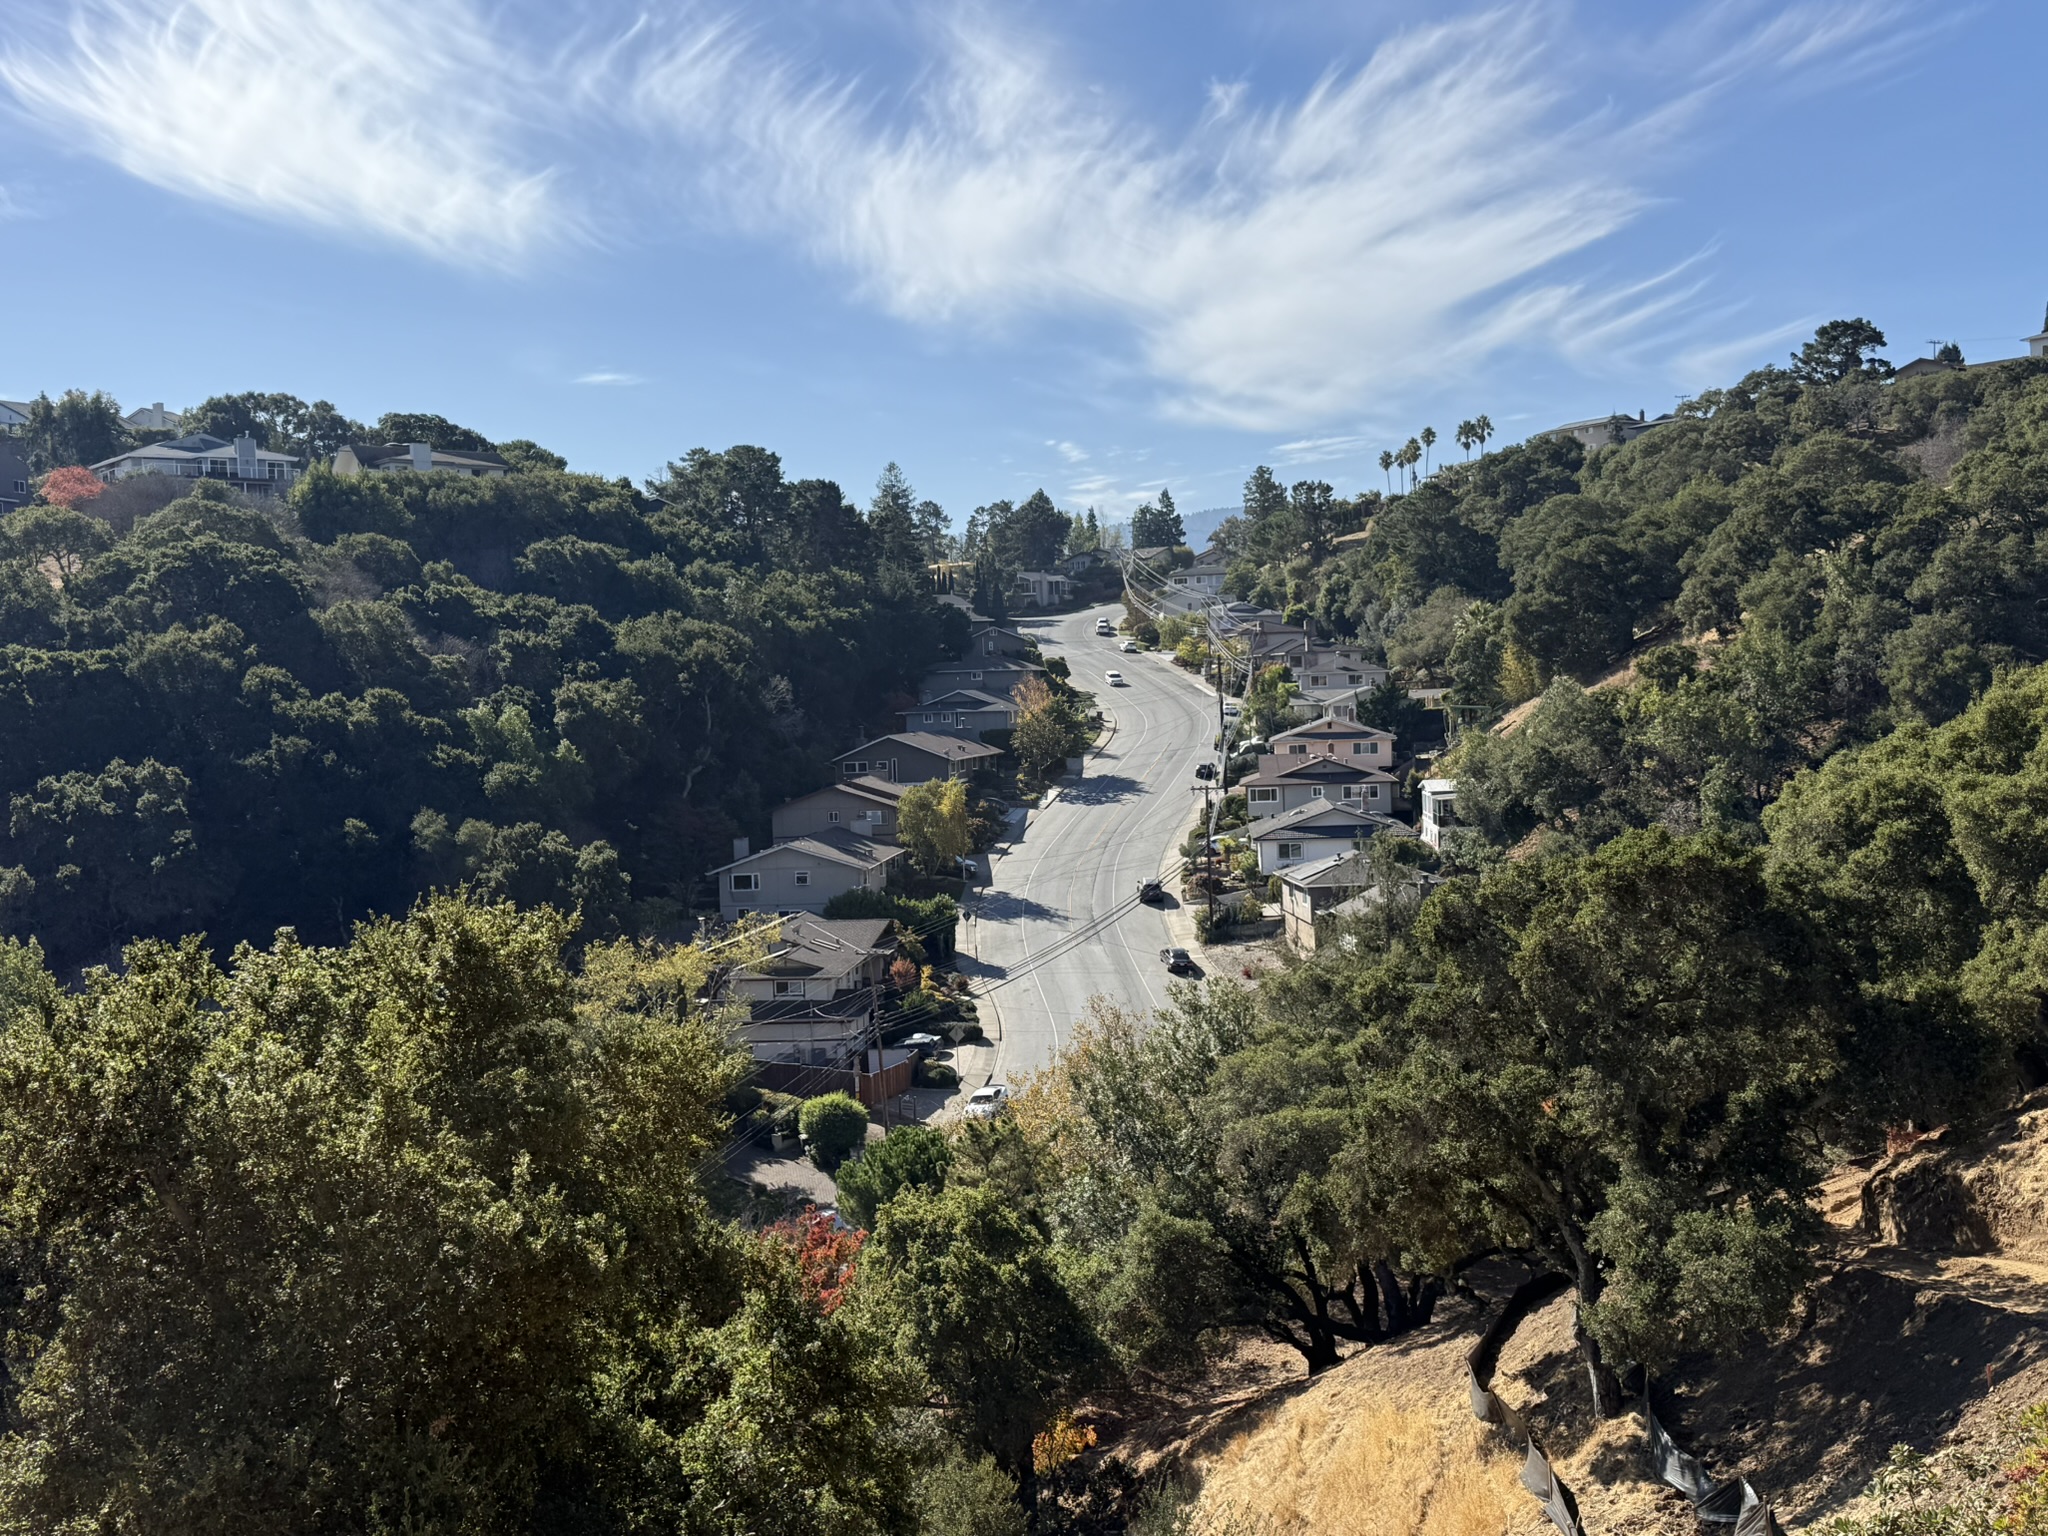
(1059, 920)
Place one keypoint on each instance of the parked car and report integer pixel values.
(1151, 890)
(1232, 709)
(1176, 960)
(987, 1103)
(1114, 679)
(967, 869)
(922, 1041)
(1129, 647)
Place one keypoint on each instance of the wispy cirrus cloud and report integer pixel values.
(610, 377)
(393, 119)
(1276, 267)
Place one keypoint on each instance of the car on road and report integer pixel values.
(987, 1103)
(967, 869)
(923, 1040)
(1151, 890)
(1129, 647)
(1176, 960)
(1114, 679)
(1104, 627)
(1232, 710)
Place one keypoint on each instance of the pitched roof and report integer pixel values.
(864, 786)
(1315, 765)
(834, 845)
(820, 946)
(962, 695)
(373, 455)
(1331, 727)
(958, 747)
(199, 445)
(1294, 821)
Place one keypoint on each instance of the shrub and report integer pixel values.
(968, 1496)
(909, 1157)
(779, 1112)
(835, 1125)
(903, 974)
(936, 1074)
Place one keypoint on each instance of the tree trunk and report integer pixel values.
(1600, 1378)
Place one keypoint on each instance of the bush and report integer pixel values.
(779, 1112)
(835, 1125)
(1208, 930)
(925, 926)
(909, 1157)
(968, 1496)
(936, 1074)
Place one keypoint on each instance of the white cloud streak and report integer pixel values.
(608, 377)
(385, 118)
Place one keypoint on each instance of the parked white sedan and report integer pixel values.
(987, 1103)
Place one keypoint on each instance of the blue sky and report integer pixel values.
(1097, 247)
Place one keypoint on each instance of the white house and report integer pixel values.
(1202, 578)
(1043, 587)
(154, 418)
(13, 415)
(1438, 803)
(803, 874)
(812, 999)
(201, 456)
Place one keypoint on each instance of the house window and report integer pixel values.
(831, 815)
(1353, 678)
(929, 717)
(803, 877)
(1317, 682)
(1373, 793)
(1297, 749)
(1290, 853)
(1317, 791)
(789, 989)
(746, 882)
(977, 676)
(1353, 791)
(855, 770)
(1263, 796)
(988, 647)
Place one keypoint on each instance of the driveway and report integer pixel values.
(1059, 920)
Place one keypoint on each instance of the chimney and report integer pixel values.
(739, 847)
(422, 457)
(245, 458)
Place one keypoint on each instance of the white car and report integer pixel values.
(1104, 627)
(987, 1103)
(1114, 679)
(1232, 711)
(1129, 647)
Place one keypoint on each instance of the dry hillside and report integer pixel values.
(1928, 1327)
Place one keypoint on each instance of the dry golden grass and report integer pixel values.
(1378, 1472)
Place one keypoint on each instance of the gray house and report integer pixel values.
(803, 874)
(915, 757)
(363, 458)
(865, 805)
(241, 463)
(963, 712)
(1286, 783)
(986, 674)
(14, 478)
(995, 640)
(1320, 829)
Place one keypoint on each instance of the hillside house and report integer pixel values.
(1319, 829)
(1314, 895)
(1200, 579)
(1437, 802)
(241, 463)
(1612, 430)
(865, 805)
(1284, 783)
(154, 418)
(996, 640)
(915, 757)
(16, 483)
(13, 415)
(997, 675)
(812, 1000)
(1045, 588)
(804, 873)
(419, 458)
(963, 712)
(1336, 738)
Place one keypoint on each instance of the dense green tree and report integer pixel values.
(281, 423)
(909, 1157)
(434, 431)
(1837, 352)
(1157, 523)
(75, 428)
(932, 822)
(835, 1125)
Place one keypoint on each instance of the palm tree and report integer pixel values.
(1411, 455)
(1464, 436)
(1387, 469)
(1482, 429)
(1428, 442)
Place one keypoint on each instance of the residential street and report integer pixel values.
(1060, 920)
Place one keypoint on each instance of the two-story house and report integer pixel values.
(419, 458)
(1284, 782)
(1315, 830)
(201, 456)
(1203, 579)
(1336, 738)
(985, 674)
(803, 874)
(863, 804)
(1437, 802)
(963, 712)
(995, 640)
(1315, 895)
(16, 484)
(915, 757)
(812, 999)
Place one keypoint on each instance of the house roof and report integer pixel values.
(1332, 728)
(985, 664)
(865, 787)
(962, 696)
(1351, 868)
(834, 845)
(183, 450)
(1315, 766)
(1297, 822)
(821, 946)
(990, 627)
(957, 747)
(375, 455)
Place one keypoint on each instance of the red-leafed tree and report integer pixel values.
(71, 486)
(825, 1251)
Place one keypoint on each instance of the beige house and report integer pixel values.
(803, 874)
(1331, 737)
(812, 1000)
(419, 458)
(866, 805)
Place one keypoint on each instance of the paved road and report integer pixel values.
(1059, 921)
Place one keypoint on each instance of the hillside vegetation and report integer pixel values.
(226, 718)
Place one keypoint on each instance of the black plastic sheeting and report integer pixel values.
(1722, 1504)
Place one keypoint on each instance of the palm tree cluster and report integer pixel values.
(1471, 434)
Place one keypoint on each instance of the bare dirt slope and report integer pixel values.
(1927, 1327)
